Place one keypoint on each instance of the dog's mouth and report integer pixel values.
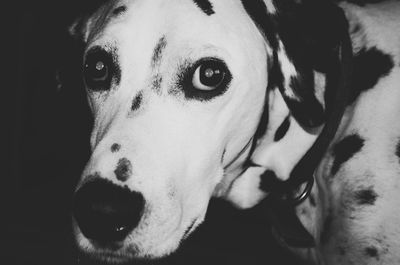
(102, 257)
(119, 253)
(114, 253)
(106, 258)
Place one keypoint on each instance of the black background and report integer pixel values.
(48, 148)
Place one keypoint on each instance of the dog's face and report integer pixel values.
(177, 89)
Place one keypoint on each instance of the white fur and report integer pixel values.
(270, 7)
(288, 71)
(175, 145)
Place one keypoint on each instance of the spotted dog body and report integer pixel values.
(353, 212)
(200, 98)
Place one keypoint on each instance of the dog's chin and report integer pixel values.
(103, 258)
(123, 257)
(112, 255)
(91, 253)
(119, 254)
(107, 260)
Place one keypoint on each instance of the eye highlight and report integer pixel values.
(209, 75)
(206, 79)
(99, 70)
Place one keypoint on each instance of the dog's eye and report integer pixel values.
(98, 70)
(209, 75)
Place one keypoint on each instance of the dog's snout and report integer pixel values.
(105, 212)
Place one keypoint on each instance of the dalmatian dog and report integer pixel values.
(199, 98)
(353, 210)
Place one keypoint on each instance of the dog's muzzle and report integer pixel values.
(107, 213)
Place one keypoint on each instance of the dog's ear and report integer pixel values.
(311, 31)
(75, 37)
(309, 34)
(78, 29)
(304, 38)
(70, 61)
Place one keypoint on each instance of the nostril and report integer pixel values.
(106, 212)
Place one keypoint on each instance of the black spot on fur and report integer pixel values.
(372, 252)
(326, 228)
(398, 150)
(346, 149)
(257, 10)
(115, 148)
(309, 111)
(157, 53)
(205, 6)
(123, 170)
(119, 10)
(367, 196)
(311, 32)
(282, 130)
(137, 102)
(306, 108)
(157, 80)
(369, 66)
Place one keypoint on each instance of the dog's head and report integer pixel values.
(178, 89)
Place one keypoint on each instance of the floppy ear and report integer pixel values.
(309, 37)
(275, 154)
(305, 38)
(70, 60)
(76, 34)
(78, 30)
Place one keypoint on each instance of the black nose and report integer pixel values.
(106, 212)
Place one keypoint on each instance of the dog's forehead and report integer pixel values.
(174, 14)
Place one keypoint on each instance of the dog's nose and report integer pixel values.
(106, 212)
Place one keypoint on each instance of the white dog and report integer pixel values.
(194, 99)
